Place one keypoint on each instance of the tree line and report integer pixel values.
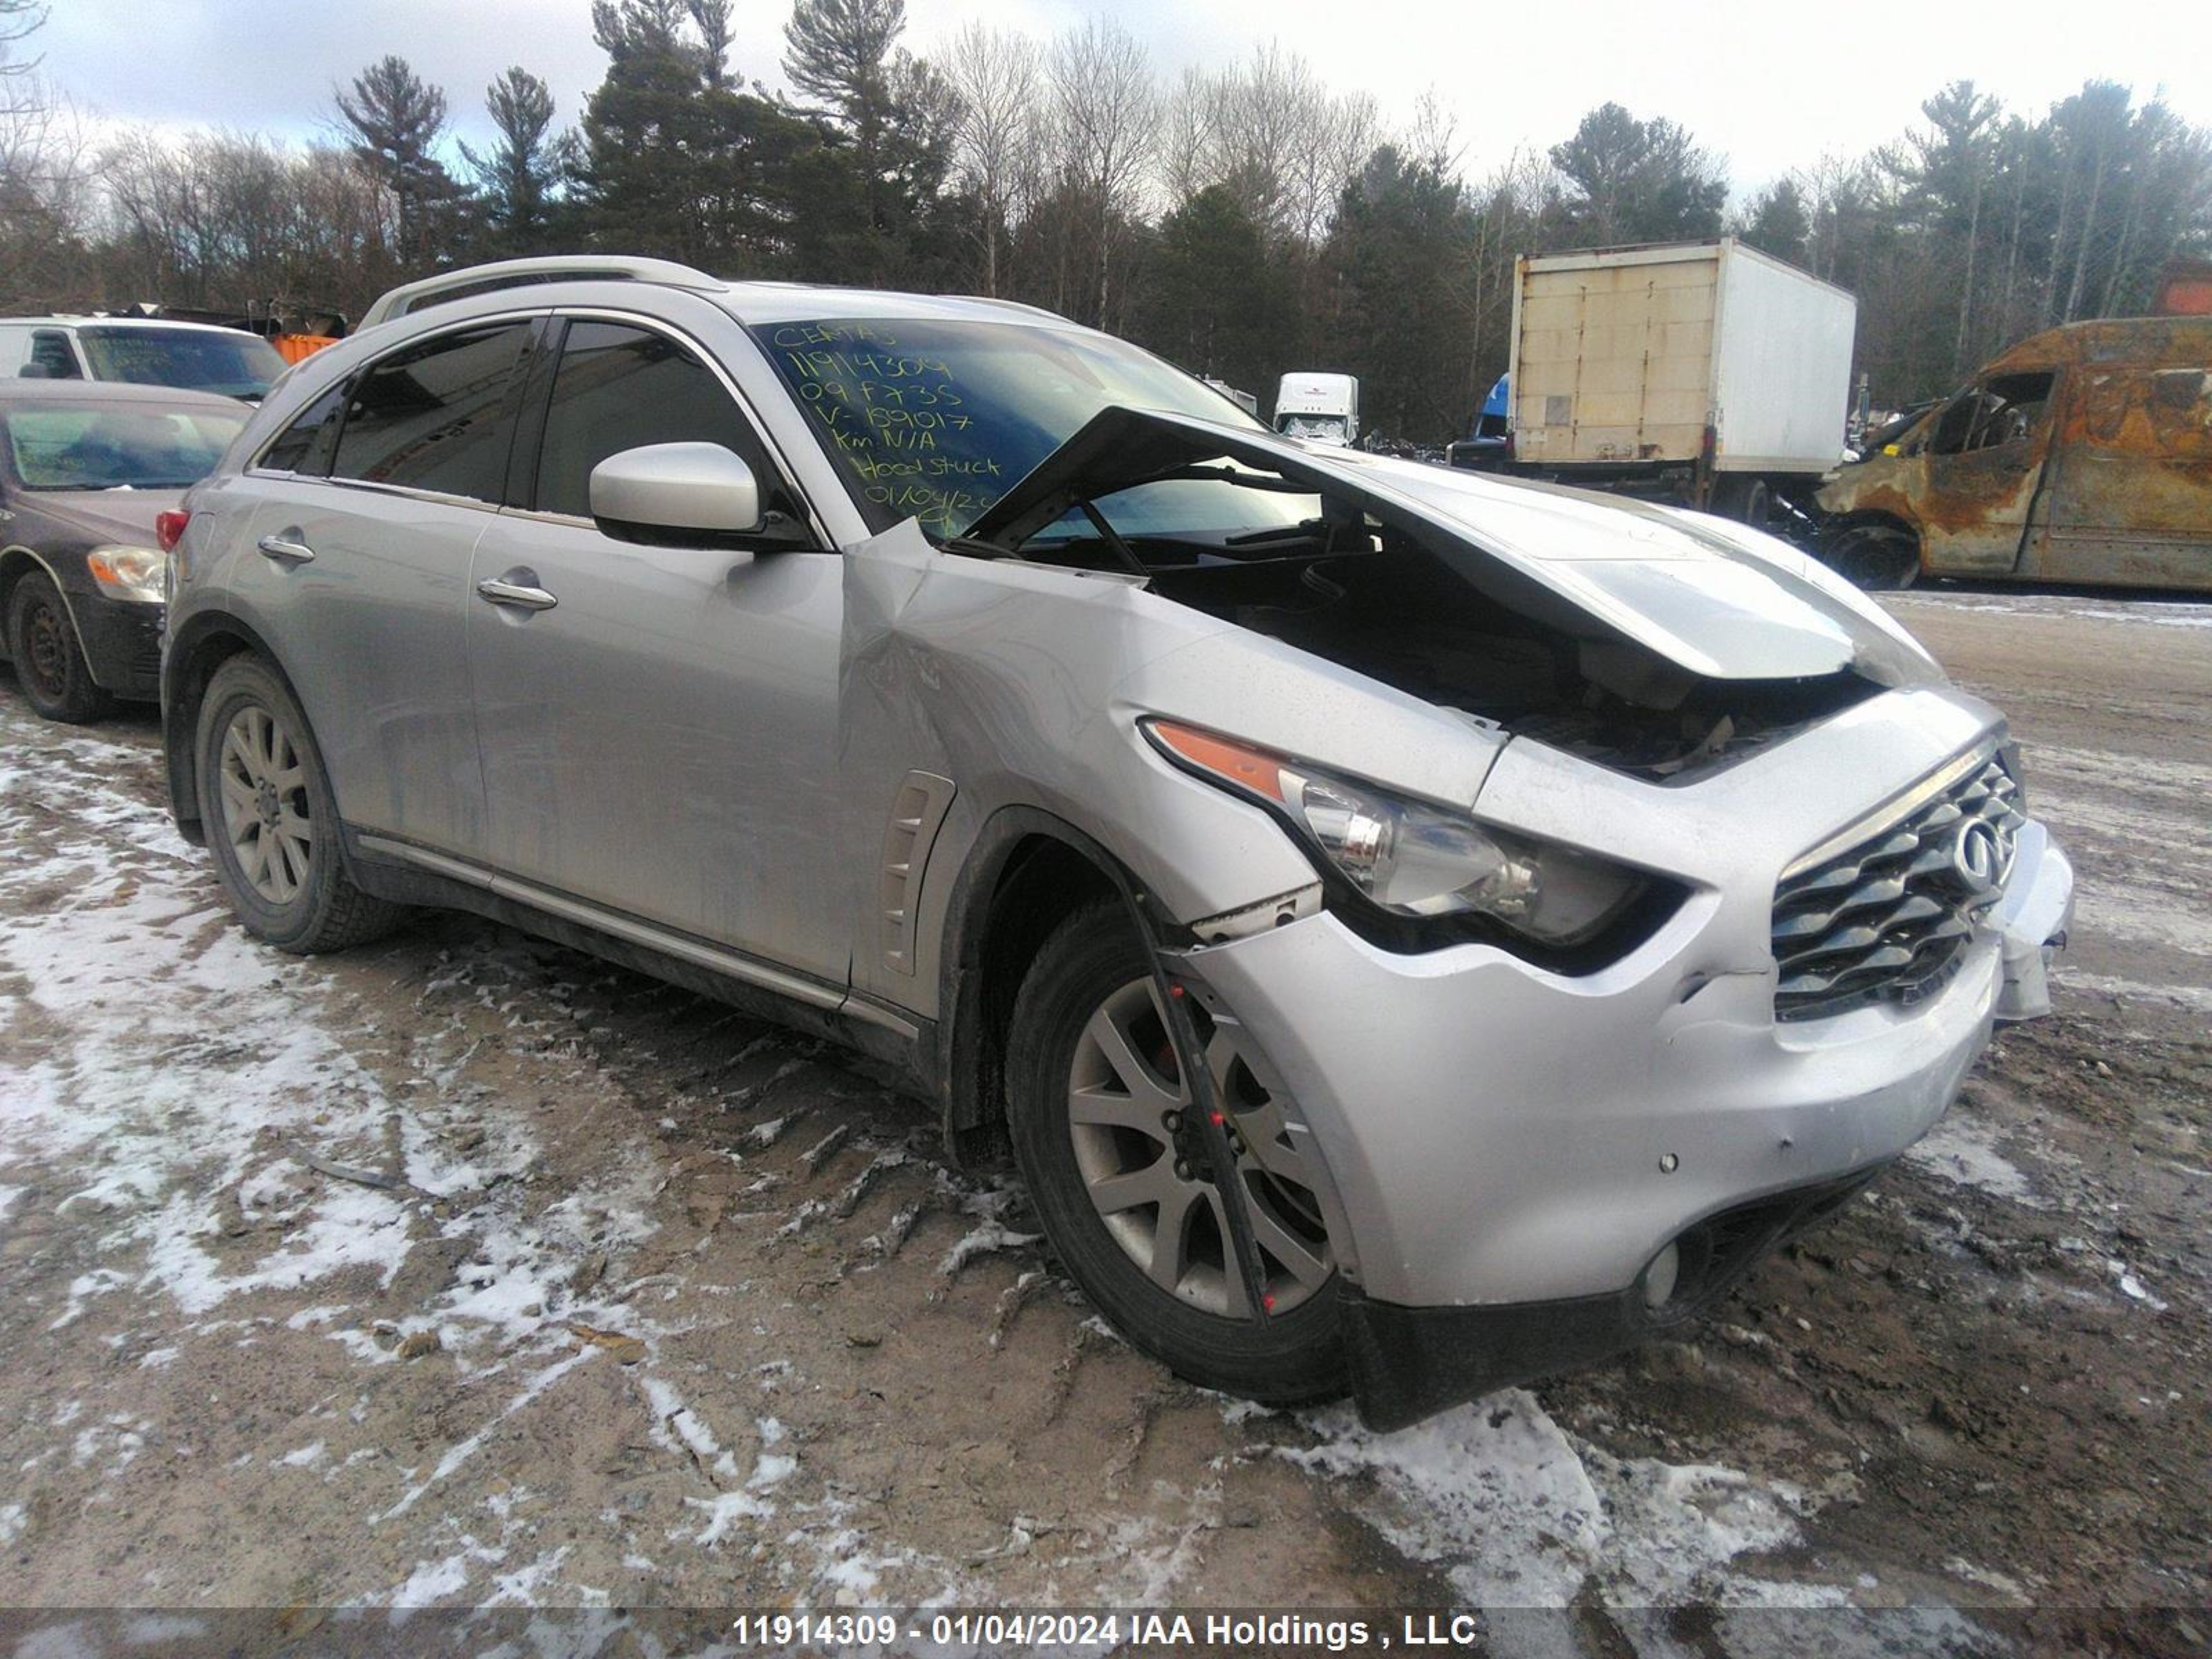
(1243, 221)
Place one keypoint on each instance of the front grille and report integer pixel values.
(1888, 918)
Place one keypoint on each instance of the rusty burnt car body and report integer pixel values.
(2082, 454)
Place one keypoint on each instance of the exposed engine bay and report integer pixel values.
(1377, 603)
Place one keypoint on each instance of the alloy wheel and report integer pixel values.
(264, 804)
(1144, 1162)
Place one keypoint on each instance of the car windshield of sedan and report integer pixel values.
(94, 446)
(232, 365)
(935, 420)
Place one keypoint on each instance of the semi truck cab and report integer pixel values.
(1323, 409)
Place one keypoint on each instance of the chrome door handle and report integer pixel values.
(516, 595)
(285, 550)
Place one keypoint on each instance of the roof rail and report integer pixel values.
(516, 273)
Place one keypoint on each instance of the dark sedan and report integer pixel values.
(85, 469)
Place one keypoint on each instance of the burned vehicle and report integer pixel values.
(2083, 454)
(1412, 931)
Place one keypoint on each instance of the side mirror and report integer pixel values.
(676, 494)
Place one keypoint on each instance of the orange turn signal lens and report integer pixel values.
(1255, 769)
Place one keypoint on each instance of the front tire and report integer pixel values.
(272, 823)
(49, 659)
(1093, 1081)
(1877, 557)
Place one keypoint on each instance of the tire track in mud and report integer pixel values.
(689, 1278)
(814, 1407)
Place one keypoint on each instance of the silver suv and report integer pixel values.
(1414, 931)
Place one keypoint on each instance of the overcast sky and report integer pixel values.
(1772, 86)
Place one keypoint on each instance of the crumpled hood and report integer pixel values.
(120, 517)
(1716, 598)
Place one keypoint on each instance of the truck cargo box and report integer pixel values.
(1627, 356)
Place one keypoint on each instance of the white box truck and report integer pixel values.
(1706, 374)
(1323, 409)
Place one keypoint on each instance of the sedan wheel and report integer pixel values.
(50, 664)
(1146, 1166)
(266, 811)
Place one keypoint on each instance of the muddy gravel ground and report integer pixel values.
(465, 1270)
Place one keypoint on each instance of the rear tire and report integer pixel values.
(272, 823)
(49, 659)
(1294, 1357)
(1747, 501)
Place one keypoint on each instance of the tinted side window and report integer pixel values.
(305, 446)
(51, 357)
(435, 416)
(620, 387)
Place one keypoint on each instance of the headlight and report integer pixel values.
(129, 573)
(1415, 859)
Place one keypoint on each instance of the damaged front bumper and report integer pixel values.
(1407, 1363)
(1530, 1170)
(2031, 923)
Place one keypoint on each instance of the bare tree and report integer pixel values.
(995, 74)
(46, 199)
(1104, 104)
(237, 222)
(1272, 131)
(1330, 149)
(20, 90)
(1188, 146)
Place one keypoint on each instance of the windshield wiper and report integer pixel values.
(1228, 474)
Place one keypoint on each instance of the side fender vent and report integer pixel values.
(917, 813)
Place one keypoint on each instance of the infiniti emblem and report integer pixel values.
(1977, 856)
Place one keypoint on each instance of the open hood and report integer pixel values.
(1715, 598)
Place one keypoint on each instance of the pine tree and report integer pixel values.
(677, 160)
(1401, 247)
(397, 120)
(1777, 224)
(520, 173)
(893, 114)
(1217, 300)
(1638, 181)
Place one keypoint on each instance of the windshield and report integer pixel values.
(100, 446)
(1324, 428)
(935, 420)
(235, 365)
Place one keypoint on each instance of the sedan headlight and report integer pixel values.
(129, 573)
(1413, 858)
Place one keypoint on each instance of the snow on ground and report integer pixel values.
(1520, 1513)
(1964, 1151)
(202, 1089)
(2153, 613)
(215, 1108)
